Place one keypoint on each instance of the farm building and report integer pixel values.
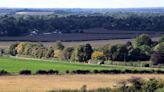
(34, 13)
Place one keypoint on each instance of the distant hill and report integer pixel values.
(81, 11)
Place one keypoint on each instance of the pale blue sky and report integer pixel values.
(81, 3)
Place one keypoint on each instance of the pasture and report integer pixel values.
(14, 65)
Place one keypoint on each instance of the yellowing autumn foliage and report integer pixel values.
(20, 47)
(97, 55)
(58, 54)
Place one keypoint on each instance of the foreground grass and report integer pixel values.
(14, 65)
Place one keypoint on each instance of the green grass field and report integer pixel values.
(14, 65)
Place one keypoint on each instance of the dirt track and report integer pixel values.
(46, 83)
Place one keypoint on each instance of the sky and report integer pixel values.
(81, 3)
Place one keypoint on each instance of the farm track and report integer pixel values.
(45, 83)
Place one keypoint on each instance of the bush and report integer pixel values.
(12, 49)
(59, 45)
(143, 39)
(58, 54)
(53, 72)
(68, 52)
(146, 71)
(151, 85)
(81, 72)
(3, 72)
(1, 52)
(147, 65)
(159, 72)
(159, 47)
(161, 39)
(67, 71)
(25, 72)
(128, 71)
(137, 83)
(107, 71)
(49, 72)
(96, 71)
(98, 55)
(41, 72)
(157, 58)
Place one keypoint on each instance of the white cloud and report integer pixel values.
(81, 3)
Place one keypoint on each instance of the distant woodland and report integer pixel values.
(20, 25)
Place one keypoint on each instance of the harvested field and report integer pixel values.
(46, 83)
(96, 43)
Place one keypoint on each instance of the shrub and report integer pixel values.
(105, 50)
(81, 72)
(3, 72)
(128, 71)
(67, 71)
(160, 90)
(159, 48)
(159, 72)
(49, 53)
(146, 50)
(58, 54)
(12, 49)
(41, 72)
(53, 72)
(137, 83)
(110, 71)
(143, 39)
(21, 47)
(161, 39)
(157, 58)
(59, 45)
(25, 72)
(1, 52)
(134, 54)
(98, 55)
(68, 52)
(153, 84)
(49, 72)
(96, 71)
(146, 71)
(147, 65)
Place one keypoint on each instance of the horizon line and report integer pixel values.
(78, 8)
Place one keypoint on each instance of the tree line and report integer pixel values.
(142, 49)
(19, 25)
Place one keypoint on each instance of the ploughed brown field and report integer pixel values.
(45, 83)
(88, 35)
